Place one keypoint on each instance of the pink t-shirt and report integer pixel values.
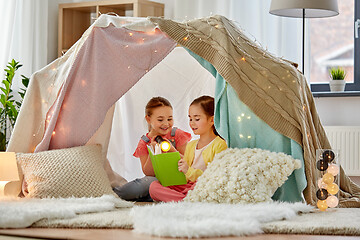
(181, 137)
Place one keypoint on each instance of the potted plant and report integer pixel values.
(337, 82)
(9, 107)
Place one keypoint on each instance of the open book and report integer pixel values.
(166, 168)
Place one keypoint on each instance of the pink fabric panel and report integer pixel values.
(109, 63)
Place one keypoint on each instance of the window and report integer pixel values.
(333, 44)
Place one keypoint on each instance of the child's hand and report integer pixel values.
(183, 166)
(172, 148)
(152, 143)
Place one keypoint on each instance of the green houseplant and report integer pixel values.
(9, 107)
(337, 82)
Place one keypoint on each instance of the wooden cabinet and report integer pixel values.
(75, 18)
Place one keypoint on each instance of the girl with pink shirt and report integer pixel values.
(159, 116)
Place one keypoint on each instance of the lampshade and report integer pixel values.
(9, 175)
(8, 167)
(313, 8)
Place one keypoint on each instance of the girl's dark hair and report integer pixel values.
(155, 102)
(207, 103)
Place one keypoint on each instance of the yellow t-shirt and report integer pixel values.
(208, 154)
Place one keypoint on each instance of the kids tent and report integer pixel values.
(71, 101)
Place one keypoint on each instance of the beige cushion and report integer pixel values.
(243, 176)
(76, 172)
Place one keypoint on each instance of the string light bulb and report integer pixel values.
(332, 188)
(321, 165)
(322, 205)
(321, 184)
(322, 194)
(328, 156)
(333, 169)
(328, 178)
(332, 201)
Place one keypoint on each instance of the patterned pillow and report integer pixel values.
(243, 176)
(70, 172)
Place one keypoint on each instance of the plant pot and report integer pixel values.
(337, 85)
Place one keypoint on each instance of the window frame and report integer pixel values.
(349, 87)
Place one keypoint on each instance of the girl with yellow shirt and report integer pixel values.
(198, 153)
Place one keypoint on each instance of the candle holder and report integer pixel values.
(327, 178)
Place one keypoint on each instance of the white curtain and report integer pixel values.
(23, 27)
(282, 36)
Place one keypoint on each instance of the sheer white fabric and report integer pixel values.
(23, 27)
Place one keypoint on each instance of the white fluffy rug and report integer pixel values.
(334, 221)
(194, 220)
(180, 219)
(118, 218)
(23, 212)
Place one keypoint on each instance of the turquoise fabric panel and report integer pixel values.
(241, 128)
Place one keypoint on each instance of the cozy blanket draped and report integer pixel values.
(271, 87)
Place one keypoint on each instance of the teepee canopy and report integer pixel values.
(71, 101)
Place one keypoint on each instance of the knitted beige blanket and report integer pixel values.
(271, 87)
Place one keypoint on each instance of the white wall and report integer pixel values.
(333, 111)
(339, 111)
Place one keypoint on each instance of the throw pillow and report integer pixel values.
(70, 172)
(243, 176)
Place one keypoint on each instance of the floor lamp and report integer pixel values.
(304, 9)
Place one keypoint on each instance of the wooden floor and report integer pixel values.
(116, 234)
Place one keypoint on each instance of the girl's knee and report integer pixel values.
(154, 186)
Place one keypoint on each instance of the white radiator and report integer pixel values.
(346, 139)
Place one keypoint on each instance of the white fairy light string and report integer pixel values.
(264, 54)
(45, 102)
(54, 69)
(243, 52)
(211, 22)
